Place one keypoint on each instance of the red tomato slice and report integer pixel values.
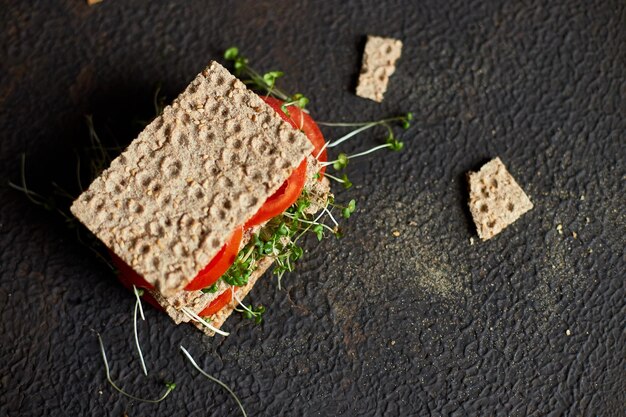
(284, 197)
(217, 304)
(302, 121)
(219, 264)
(128, 277)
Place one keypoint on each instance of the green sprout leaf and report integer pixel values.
(349, 209)
(406, 122)
(341, 162)
(271, 76)
(346, 182)
(231, 53)
(319, 231)
(299, 100)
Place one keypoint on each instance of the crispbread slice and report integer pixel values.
(379, 62)
(496, 200)
(168, 203)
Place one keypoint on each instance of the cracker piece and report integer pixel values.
(495, 200)
(379, 62)
(168, 203)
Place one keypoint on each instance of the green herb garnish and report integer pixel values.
(265, 82)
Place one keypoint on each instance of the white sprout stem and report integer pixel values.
(118, 389)
(378, 122)
(138, 307)
(332, 177)
(217, 381)
(242, 304)
(331, 216)
(193, 316)
(355, 132)
(301, 119)
(309, 222)
(315, 221)
(139, 302)
(356, 155)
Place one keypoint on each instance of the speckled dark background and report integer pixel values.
(423, 323)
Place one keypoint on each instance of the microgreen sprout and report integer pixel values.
(194, 317)
(138, 294)
(296, 100)
(212, 378)
(391, 142)
(342, 159)
(343, 180)
(249, 312)
(169, 385)
(265, 82)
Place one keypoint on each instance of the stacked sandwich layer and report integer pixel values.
(172, 201)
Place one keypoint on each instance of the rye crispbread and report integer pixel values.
(168, 203)
(495, 200)
(379, 62)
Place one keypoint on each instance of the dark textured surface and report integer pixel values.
(424, 323)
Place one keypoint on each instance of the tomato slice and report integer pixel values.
(219, 303)
(219, 264)
(128, 277)
(284, 197)
(302, 121)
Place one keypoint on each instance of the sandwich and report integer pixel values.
(212, 192)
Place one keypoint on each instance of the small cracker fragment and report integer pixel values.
(495, 200)
(379, 62)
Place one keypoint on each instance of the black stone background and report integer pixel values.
(423, 323)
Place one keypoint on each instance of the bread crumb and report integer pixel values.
(559, 228)
(567, 332)
(575, 235)
(471, 240)
(396, 233)
(379, 62)
(496, 200)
